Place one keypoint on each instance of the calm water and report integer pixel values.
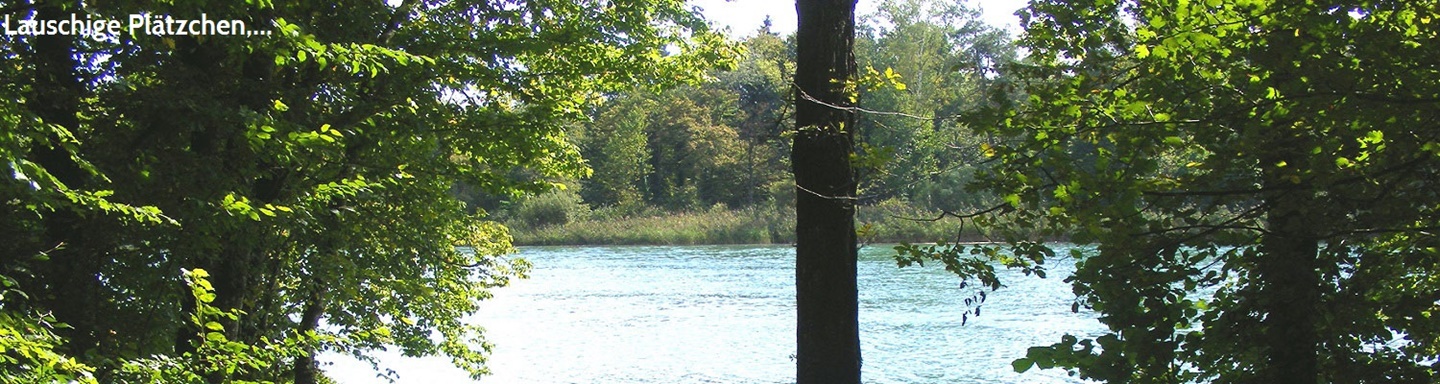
(725, 314)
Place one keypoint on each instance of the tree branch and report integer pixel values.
(401, 14)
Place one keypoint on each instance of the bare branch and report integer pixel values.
(1001, 208)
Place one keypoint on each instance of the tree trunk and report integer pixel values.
(1288, 270)
(828, 331)
(307, 370)
(72, 272)
(1291, 294)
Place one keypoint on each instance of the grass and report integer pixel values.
(684, 228)
(887, 222)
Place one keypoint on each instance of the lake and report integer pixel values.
(725, 314)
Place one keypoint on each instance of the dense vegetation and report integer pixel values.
(1258, 178)
(222, 208)
(725, 144)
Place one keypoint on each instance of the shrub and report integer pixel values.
(549, 209)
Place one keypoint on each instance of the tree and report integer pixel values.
(828, 333)
(946, 55)
(693, 158)
(762, 83)
(307, 170)
(694, 146)
(616, 146)
(1258, 179)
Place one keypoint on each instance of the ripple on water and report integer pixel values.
(725, 314)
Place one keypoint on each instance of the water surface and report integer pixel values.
(725, 314)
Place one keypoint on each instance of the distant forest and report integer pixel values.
(723, 144)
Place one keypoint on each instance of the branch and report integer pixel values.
(1221, 192)
(1002, 208)
(1210, 229)
(401, 14)
(812, 99)
(807, 190)
(1426, 230)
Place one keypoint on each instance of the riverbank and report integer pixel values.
(875, 224)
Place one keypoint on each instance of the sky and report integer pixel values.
(743, 17)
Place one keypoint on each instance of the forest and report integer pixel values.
(710, 162)
(1255, 180)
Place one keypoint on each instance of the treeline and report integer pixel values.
(723, 146)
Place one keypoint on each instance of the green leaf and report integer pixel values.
(1021, 365)
(215, 337)
(1012, 199)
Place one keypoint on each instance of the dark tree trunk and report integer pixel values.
(828, 331)
(1288, 270)
(71, 274)
(1290, 294)
(307, 371)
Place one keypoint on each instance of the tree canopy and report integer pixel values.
(692, 147)
(946, 57)
(1258, 179)
(307, 170)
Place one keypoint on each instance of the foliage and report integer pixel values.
(28, 351)
(617, 146)
(725, 141)
(691, 147)
(696, 160)
(1258, 178)
(308, 171)
(214, 354)
(947, 57)
(551, 208)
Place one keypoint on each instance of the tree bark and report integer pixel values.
(1288, 269)
(827, 332)
(1292, 293)
(307, 370)
(72, 271)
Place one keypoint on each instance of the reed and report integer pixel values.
(886, 222)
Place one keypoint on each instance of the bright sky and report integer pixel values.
(743, 17)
